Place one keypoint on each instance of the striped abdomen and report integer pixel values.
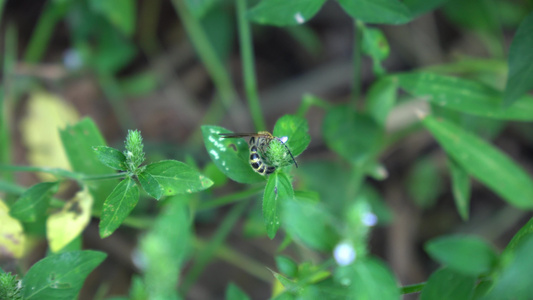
(256, 162)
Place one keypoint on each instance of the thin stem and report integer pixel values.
(52, 13)
(61, 172)
(357, 53)
(225, 200)
(132, 221)
(238, 260)
(206, 52)
(250, 81)
(2, 3)
(413, 288)
(202, 259)
(10, 57)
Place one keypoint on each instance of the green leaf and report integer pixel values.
(465, 254)
(486, 163)
(277, 190)
(524, 232)
(287, 266)
(310, 223)
(466, 96)
(377, 11)
(121, 13)
(230, 155)
(377, 203)
(283, 13)
(312, 174)
(212, 171)
(513, 280)
(355, 136)
(139, 84)
(118, 206)
(368, 278)
(219, 26)
(112, 53)
(460, 188)
(296, 129)
(110, 157)
(33, 203)
(472, 15)
(447, 284)
(150, 185)
(233, 292)
(424, 183)
(200, 7)
(165, 248)
(60, 276)
(520, 79)
(174, 177)
(78, 141)
(419, 7)
(375, 45)
(286, 282)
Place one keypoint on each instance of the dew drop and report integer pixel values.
(299, 18)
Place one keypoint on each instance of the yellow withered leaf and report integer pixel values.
(46, 114)
(64, 226)
(12, 239)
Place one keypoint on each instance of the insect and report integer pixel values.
(264, 158)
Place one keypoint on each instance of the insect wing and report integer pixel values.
(236, 135)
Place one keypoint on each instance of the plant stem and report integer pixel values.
(250, 81)
(206, 52)
(239, 260)
(357, 53)
(224, 200)
(2, 3)
(10, 57)
(61, 172)
(203, 257)
(413, 288)
(52, 13)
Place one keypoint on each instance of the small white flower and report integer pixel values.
(344, 253)
(283, 139)
(370, 219)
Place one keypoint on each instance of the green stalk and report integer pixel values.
(239, 260)
(2, 2)
(215, 68)
(53, 12)
(357, 53)
(224, 200)
(10, 57)
(203, 257)
(61, 172)
(250, 81)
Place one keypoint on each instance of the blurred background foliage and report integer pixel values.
(168, 67)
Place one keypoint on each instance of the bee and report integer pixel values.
(259, 145)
